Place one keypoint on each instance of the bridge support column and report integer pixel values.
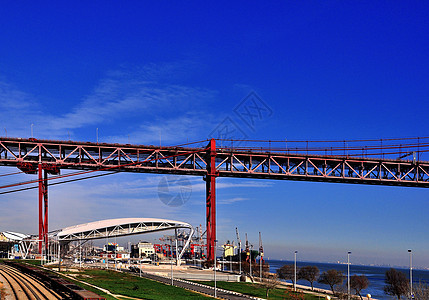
(43, 208)
(211, 199)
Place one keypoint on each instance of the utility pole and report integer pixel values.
(411, 272)
(294, 282)
(261, 256)
(250, 262)
(239, 247)
(214, 266)
(348, 274)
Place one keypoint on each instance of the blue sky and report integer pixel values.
(141, 71)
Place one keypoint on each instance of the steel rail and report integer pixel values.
(35, 285)
(11, 286)
(24, 287)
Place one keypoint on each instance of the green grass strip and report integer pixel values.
(256, 290)
(132, 286)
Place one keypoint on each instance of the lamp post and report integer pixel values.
(250, 261)
(411, 272)
(214, 266)
(171, 265)
(239, 254)
(171, 261)
(116, 246)
(59, 256)
(348, 274)
(107, 250)
(80, 254)
(294, 282)
(230, 258)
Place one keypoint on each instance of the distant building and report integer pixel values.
(122, 254)
(143, 249)
(228, 249)
(112, 247)
(134, 251)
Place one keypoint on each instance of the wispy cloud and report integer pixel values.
(232, 200)
(129, 186)
(143, 102)
(121, 98)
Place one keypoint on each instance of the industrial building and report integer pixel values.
(142, 249)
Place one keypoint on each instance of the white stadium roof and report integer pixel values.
(123, 222)
(14, 236)
(118, 227)
(121, 227)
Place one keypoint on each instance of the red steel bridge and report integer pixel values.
(394, 162)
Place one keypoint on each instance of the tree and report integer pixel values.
(270, 283)
(309, 273)
(396, 283)
(287, 272)
(421, 291)
(331, 277)
(359, 283)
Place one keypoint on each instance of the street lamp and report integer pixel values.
(80, 254)
(411, 272)
(239, 254)
(294, 282)
(348, 274)
(214, 266)
(250, 261)
(171, 266)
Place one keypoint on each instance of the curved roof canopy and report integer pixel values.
(118, 227)
(121, 227)
(9, 236)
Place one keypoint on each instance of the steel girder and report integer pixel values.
(323, 168)
(27, 154)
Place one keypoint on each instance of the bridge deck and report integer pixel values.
(26, 154)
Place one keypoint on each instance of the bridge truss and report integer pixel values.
(47, 157)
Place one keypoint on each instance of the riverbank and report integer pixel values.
(375, 275)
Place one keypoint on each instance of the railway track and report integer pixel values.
(20, 286)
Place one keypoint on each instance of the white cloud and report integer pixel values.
(142, 99)
(118, 98)
(141, 96)
(232, 200)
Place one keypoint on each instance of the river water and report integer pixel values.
(375, 275)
